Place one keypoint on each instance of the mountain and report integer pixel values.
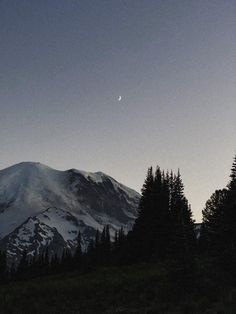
(43, 207)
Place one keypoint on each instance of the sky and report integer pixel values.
(64, 64)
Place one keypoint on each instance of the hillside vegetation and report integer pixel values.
(143, 288)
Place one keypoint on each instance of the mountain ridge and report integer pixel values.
(29, 191)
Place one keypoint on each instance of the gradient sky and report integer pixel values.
(64, 63)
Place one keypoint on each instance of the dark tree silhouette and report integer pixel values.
(3, 265)
(211, 230)
(182, 223)
(218, 236)
(78, 253)
(164, 227)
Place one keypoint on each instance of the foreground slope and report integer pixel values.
(139, 289)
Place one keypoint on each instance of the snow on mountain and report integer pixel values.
(40, 206)
(54, 228)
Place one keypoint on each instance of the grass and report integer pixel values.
(136, 289)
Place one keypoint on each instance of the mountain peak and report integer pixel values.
(26, 165)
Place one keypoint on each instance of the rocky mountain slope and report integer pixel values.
(40, 207)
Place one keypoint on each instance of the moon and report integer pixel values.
(119, 98)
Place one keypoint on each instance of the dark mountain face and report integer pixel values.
(106, 197)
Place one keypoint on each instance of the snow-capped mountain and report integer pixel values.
(40, 206)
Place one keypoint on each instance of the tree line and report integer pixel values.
(162, 233)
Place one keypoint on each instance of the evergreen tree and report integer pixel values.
(55, 264)
(91, 255)
(232, 183)
(107, 246)
(139, 247)
(96, 249)
(228, 226)
(219, 217)
(160, 217)
(116, 243)
(211, 230)
(183, 236)
(45, 261)
(3, 265)
(23, 266)
(66, 260)
(121, 237)
(219, 225)
(119, 247)
(104, 248)
(78, 253)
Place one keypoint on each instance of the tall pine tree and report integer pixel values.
(139, 247)
(3, 265)
(219, 225)
(212, 223)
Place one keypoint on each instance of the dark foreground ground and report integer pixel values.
(133, 289)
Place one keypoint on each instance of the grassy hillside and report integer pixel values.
(133, 289)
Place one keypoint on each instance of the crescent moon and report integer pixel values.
(119, 98)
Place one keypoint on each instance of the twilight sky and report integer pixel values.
(64, 63)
